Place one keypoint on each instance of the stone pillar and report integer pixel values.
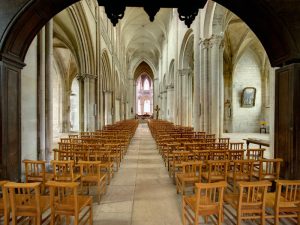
(49, 88)
(10, 117)
(41, 141)
(205, 86)
(89, 102)
(197, 81)
(184, 73)
(215, 83)
(100, 103)
(108, 107)
(165, 100)
(155, 92)
(170, 103)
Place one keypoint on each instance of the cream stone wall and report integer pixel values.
(29, 104)
(246, 74)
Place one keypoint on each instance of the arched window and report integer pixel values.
(147, 106)
(146, 85)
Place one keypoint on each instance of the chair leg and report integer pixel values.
(183, 211)
(263, 221)
(238, 218)
(99, 191)
(91, 215)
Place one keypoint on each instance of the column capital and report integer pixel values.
(89, 76)
(170, 86)
(216, 39)
(185, 71)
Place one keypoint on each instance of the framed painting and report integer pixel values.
(248, 97)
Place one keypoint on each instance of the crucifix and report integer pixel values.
(157, 111)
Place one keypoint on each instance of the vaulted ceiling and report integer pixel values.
(143, 39)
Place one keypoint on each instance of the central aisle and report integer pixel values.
(141, 192)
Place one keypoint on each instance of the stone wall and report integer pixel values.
(29, 104)
(246, 74)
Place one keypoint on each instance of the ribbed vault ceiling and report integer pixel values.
(143, 39)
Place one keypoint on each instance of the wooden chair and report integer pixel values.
(65, 201)
(25, 201)
(107, 163)
(207, 201)
(236, 145)
(255, 154)
(218, 155)
(235, 155)
(4, 205)
(216, 171)
(64, 171)
(191, 174)
(249, 203)
(35, 171)
(269, 169)
(178, 158)
(285, 202)
(90, 172)
(241, 170)
(225, 141)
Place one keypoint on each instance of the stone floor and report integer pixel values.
(141, 192)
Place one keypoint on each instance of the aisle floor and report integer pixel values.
(141, 192)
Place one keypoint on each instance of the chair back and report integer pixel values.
(236, 155)
(64, 200)
(63, 170)
(89, 169)
(252, 196)
(269, 169)
(217, 170)
(4, 204)
(25, 200)
(35, 171)
(218, 155)
(209, 197)
(192, 169)
(236, 145)
(255, 154)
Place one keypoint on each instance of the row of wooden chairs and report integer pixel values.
(252, 202)
(23, 202)
(223, 170)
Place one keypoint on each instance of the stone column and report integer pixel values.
(221, 78)
(41, 142)
(89, 101)
(66, 106)
(165, 100)
(48, 90)
(205, 86)
(215, 85)
(155, 92)
(184, 73)
(197, 82)
(108, 107)
(170, 103)
(100, 103)
(10, 117)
